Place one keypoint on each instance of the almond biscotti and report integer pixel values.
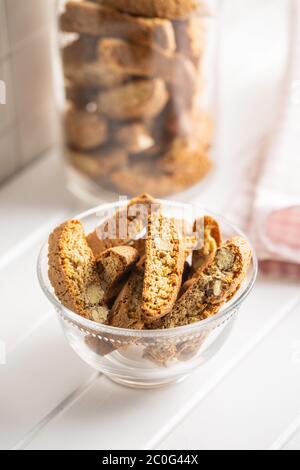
(143, 176)
(214, 286)
(73, 272)
(82, 68)
(99, 163)
(156, 178)
(113, 265)
(212, 240)
(135, 215)
(208, 238)
(85, 131)
(140, 99)
(91, 74)
(142, 61)
(99, 20)
(172, 9)
(127, 310)
(182, 162)
(164, 265)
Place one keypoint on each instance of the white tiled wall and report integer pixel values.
(27, 120)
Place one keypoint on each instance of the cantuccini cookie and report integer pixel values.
(214, 286)
(138, 178)
(113, 265)
(134, 216)
(161, 177)
(209, 230)
(208, 238)
(142, 61)
(93, 75)
(99, 20)
(140, 99)
(73, 272)
(99, 162)
(80, 49)
(81, 66)
(84, 130)
(172, 9)
(164, 265)
(127, 309)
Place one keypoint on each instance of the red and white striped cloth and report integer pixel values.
(269, 203)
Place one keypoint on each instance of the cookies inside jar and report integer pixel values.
(134, 118)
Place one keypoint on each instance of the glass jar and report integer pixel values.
(135, 112)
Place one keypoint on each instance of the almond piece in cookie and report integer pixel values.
(85, 131)
(216, 285)
(140, 99)
(99, 20)
(207, 236)
(209, 230)
(164, 265)
(134, 138)
(113, 265)
(73, 272)
(142, 61)
(127, 309)
(134, 215)
(172, 9)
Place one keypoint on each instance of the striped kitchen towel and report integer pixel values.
(269, 203)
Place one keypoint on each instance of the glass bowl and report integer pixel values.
(147, 358)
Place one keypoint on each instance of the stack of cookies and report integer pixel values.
(173, 276)
(133, 77)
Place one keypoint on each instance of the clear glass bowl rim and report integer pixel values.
(91, 325)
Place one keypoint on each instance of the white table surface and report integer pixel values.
(247, 397)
